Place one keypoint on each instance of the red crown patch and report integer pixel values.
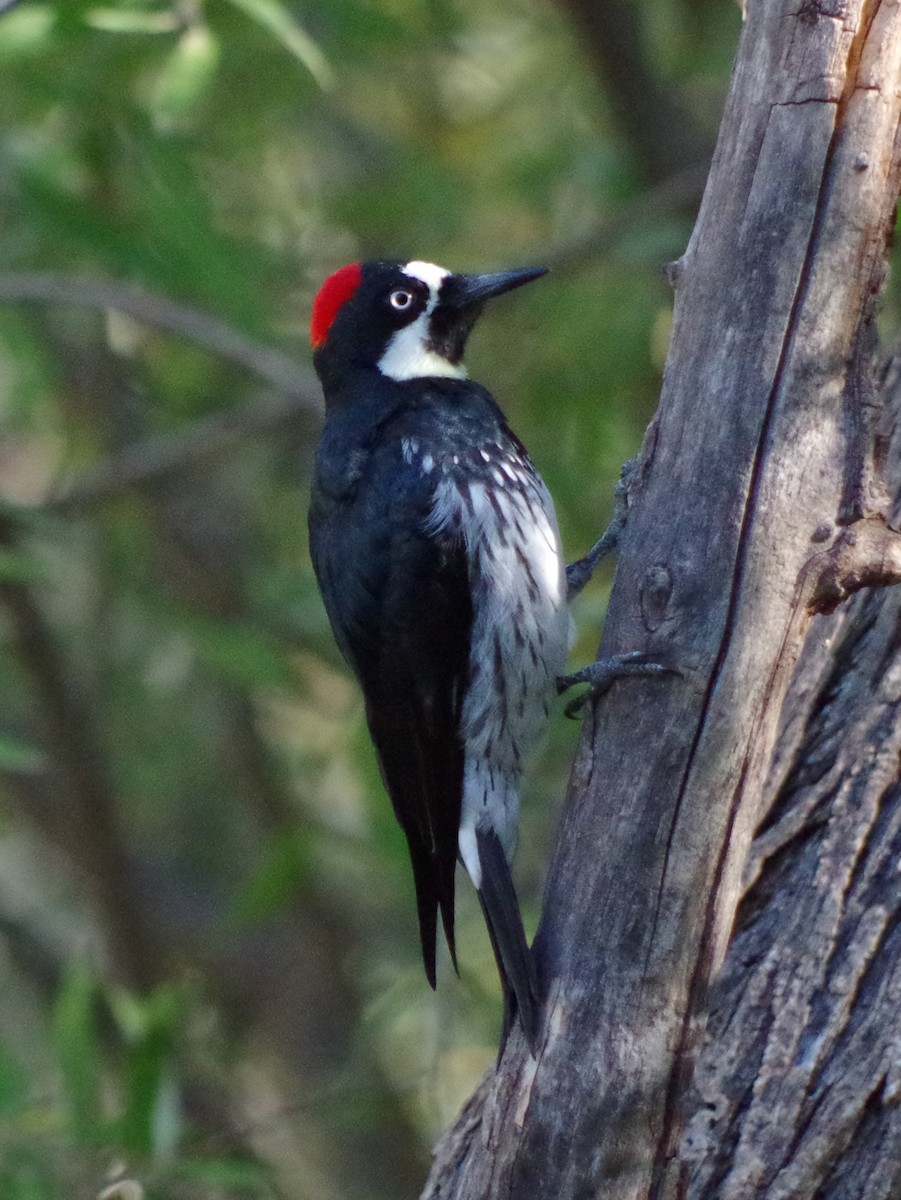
(336, 290)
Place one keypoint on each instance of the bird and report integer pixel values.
(437, 552)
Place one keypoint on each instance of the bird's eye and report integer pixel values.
(401, 299)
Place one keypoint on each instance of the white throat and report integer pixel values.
(408, 355)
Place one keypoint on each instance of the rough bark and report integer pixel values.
(754, 506)
(797, 1084)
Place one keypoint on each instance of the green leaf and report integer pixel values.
(149, 1124)
(18, 568)
(26, 1176)
(274, 17)
(132, 20)
(247, 656)
(13, 1083)
(25, 31)
(19, 757)
(78, 1052)
(223, 1172)
(138, 1017)
(185, 76)
(285, 869)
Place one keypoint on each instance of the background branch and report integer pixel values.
(94, 840)
(661, 131)
(153, 458)
(271, 365)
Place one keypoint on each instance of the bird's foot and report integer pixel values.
(579, 572)
(601, 674)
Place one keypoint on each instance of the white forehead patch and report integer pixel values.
(429, 274)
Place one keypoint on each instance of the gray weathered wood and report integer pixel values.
(756, 459)
(798, 1082)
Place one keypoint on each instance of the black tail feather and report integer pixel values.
(508, 940)
(446, 905)
(427, 911)
(433, 893)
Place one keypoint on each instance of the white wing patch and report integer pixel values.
(519, 635)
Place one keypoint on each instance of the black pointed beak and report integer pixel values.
(462, 291)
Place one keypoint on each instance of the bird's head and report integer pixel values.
(407, 320)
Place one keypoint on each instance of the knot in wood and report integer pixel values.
(656, 590)
(811, 10)
(867, 555)
(674, 271)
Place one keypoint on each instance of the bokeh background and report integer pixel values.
(210, 981)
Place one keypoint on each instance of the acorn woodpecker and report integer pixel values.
(436, 548)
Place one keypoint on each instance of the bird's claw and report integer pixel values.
(579, 572)
(602, 674)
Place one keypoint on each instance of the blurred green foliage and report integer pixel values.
(212, 978)
(114, 1087)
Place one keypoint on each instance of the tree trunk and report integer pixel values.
(755, 504)
(797, 1083)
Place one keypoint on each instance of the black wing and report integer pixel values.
(400, 605)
